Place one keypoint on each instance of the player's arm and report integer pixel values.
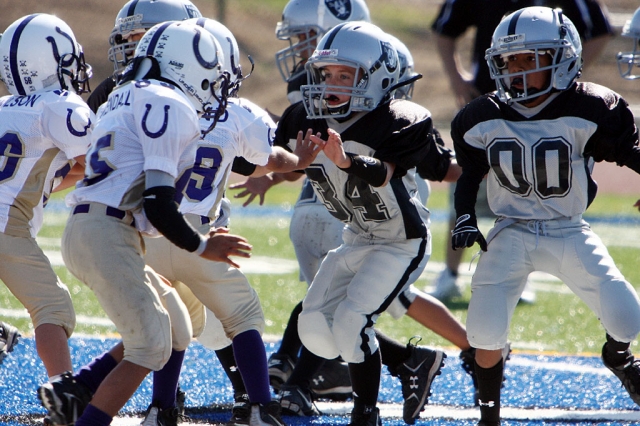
(258, 186)
(461, 80)
(75, 174)
(375, 172)
(162, 211)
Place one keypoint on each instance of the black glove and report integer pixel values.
(466, 232)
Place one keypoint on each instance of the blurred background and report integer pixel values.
(253, 23)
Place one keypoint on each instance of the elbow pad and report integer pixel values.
(369, 169)
(162, 211)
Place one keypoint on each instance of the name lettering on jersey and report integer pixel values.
(20, 101)
(117, 100)
(73, 131)
(155, 135)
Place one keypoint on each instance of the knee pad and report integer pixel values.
(181, 330)
(353, 333)
(316, 335)
(197, 311)
(620, 308)
(213, 335)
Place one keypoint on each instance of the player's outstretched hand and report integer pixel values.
(333, 148)
(252, 188)
(221, 245)
(306, 150)
(637, 204)
(466, 233)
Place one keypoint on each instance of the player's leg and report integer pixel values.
(383, 271)
(227, 293)
(495, 294)
(589, 271)
(88, 248)
(164, 406)
(446, 285)
(27, 273)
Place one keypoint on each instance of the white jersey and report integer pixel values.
(144, 125)
(245, 130)
(40, 135)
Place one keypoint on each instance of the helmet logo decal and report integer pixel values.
(389, 56)
(201, 60)
(517, 38)
(341, 9)
(164, 124)
(235, 68)
(54, 46)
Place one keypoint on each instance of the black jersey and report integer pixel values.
(397, 132)
(539, 167)
(456, 16)
(101, 93)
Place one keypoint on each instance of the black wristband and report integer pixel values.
(369, 169)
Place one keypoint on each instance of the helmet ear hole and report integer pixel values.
(205, 84)
(385, 83)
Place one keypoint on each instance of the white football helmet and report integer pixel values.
(136, 17)
(188, 56)
(630, 59)
(364, 47)
(304, 22)
(539, 30)
(407, 72)
(230, 50)
(39, 52)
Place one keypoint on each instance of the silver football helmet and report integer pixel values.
(539, 30)
(136, 17)
(40, 53)
(188, 56)
(407, 72)
(230, 50)
(304, 22)
(630, 59)
(365, 48)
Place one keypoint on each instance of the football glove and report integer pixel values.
(466, 233)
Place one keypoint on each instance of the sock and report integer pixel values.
(228, 362)
(307, 366)
(92, 374)
(291, 343)
(616, 353)
(165, 381)
(251, 358)
(489, 384)
(393, 353)
(92, 416)
(365, 381)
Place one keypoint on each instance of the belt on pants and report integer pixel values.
(109, 211)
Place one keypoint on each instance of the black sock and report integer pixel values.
(291, 343)
(228, 362)
(616, 353)
(489, 384)
(306, 367)
(365, 380)
(392, 352)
